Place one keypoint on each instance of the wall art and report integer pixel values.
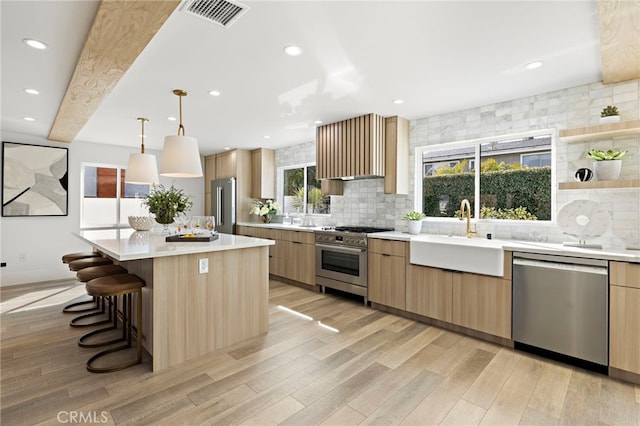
(34, 180)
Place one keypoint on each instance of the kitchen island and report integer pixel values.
(188, 312)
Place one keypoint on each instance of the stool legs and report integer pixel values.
(101, 305)
(112, 303)
(127, 331)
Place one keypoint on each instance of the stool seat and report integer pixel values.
(70, 257)
(113, 285)
(87, 274)
(78, 264)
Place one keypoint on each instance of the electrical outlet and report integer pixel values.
(203, 266)
(22, 257)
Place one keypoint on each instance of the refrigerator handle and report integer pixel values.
(219, 208)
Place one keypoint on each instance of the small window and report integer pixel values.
(302, 191)
(108, 201)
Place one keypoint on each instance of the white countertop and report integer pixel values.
(281, 226)
(539, 248)
(127, 244)
(512, 245)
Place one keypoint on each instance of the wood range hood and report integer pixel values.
(367, 146)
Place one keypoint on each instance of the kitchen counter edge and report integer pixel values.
(632, 256)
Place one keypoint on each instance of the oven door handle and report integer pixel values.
(341, 248)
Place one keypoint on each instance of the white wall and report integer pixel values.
(43, 240)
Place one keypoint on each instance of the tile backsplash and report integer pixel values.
(364, 201)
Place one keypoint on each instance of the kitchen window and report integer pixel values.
(513, 182)
(302, 192)
(107, 201)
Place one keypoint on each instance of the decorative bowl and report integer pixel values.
(141, 223)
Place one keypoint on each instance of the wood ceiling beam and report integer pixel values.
(120, 31)
(619, 25)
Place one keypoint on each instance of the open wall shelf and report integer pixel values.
(601, 131)
(601, 184)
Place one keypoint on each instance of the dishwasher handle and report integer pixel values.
(601, 270)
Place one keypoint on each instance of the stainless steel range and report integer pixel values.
(341, 258)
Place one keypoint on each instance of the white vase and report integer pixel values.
(609, 119)
(607, 169)
(415, 226)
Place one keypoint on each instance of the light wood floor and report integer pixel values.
(378, 369)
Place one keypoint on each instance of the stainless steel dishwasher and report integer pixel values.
(561, 308)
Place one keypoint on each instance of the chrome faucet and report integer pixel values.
(465, 204)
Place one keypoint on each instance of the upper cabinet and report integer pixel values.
(351, 148)
(263, 177)
(396, 177)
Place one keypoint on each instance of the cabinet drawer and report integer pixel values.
(624, 274)
(390, 247)
(299, 236)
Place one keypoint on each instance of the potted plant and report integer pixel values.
(607, 164)
(266, 210)
(415, 221)
(165, 204)
(609, 114)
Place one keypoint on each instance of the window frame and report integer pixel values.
(476, 143)
(281, 190)
(119, 168)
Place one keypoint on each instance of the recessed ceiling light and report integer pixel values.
(292, 50)
(398, 101)
(29, 119)
(317, 122)
(171, 118)
(533, 65)
(32, 91)
(226, 148)
(35, 43)
(267, 137)
(214, 93)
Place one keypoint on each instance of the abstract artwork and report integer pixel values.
(34, 180)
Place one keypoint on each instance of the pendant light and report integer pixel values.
(180, 156)
(142, 168)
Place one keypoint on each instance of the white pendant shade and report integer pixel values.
(180, 157)
(141, 169)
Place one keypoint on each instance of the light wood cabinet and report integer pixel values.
(236, 163)
(430, 292)
(292, 256)
(332, 187)
(473, 301)
(263, 177)
(396, 176)
(483, 303)
(275, 251)
(624, 316)
(353, 147)
(387, 272)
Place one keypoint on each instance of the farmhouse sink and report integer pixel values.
(475, 255)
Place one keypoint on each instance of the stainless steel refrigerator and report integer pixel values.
(223, 204)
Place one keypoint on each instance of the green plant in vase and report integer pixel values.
(166, 204)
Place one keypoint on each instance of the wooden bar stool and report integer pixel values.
(70, 257)
(127, 285)
(87, 274)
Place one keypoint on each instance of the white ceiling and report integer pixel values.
(358, 57)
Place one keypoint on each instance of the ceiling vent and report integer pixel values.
(221, 12)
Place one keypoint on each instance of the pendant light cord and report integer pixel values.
(181, 127)
(142, 121)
